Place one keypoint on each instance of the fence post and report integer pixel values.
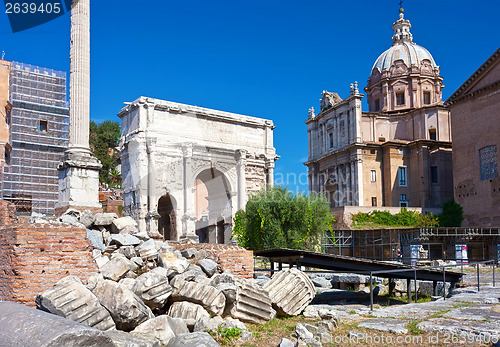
(493, 265)
(478, 287)
(462, 270)
(415, 286)
(371, 293)
(444, 283)
(408, 289)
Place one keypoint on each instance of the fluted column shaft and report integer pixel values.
(79, 85)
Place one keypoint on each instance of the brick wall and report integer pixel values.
(7, 213)
(229, 257)
(33, 257)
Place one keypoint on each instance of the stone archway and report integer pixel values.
(212, 206)
(166, 222)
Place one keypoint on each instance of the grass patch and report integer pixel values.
(226, 336)
(412, 327)
(463, 304)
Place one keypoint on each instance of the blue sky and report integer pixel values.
(269, 59)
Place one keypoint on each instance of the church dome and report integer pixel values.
(409, 52)
(403, 48)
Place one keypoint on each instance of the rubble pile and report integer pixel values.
(157, 295)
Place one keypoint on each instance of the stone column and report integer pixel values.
(359, 181)
(152, 215)
(241, 155)
(270, 172)
(79, 169)
(189, 216)
(354, 190)
(348, 183)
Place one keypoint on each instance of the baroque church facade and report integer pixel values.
(398, 153)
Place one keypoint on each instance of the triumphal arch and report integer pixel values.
(187, 170)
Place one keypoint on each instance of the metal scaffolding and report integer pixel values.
(38, 130)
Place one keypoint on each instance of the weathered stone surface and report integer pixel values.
(425, 288)
(87, 218)
(246, 336)
(478, 331)
(120, 223)
(130, 230)
(262, 280)
(116, 268)
(207, 296)
(137, 260)
(303, 332)
(123, 339)
(490, 301)
(197, 270)
(105, 219)
(70, 219)
(148, 249)
(153, 289)
(125, 240)
(37, 218)
(94, 280)
(162, 328)
(187, 310)
(101, 260)
(69, 298)
(188, 253)
(205, 323)
(226, 284)
(95, 238)
(380, 289)
(208, 266)
(199, 339)
(202, 254)
(142, 236)
(291, 291)
(231, 323)
(325, 313)
(21, 325)
(252, 302)
(385, 324)
(328, 325)
(127, 251)
(312, 311)
(128, 282)
(286, 343)
(187, 275)
(321, 282)
(126, 308)
(350, 278)
(174, 263)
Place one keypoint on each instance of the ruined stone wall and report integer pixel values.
(229, 257)
(7, 213)
(33, 257)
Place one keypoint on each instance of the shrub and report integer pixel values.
(276, 218)
(452, 215)
(404, 218)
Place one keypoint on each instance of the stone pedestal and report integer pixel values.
(78, 182)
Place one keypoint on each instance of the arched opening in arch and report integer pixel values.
(166, 223)
(212, 206)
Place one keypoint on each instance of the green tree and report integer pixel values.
(452, 215)
(276, 218)
(103, 139)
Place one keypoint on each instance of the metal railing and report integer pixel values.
(443, 267)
